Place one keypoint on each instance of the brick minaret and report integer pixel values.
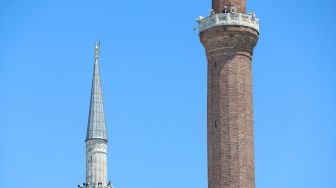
(229, 36)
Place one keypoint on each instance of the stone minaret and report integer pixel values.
(229, 36)
(96, 136)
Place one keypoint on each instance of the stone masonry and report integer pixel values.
(229, 52)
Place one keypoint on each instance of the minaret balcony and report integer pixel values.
(94, 186)
(228, 19)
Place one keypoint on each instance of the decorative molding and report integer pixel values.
(234, 19)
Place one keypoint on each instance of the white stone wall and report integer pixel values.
(96, 162)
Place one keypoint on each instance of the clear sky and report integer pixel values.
(153, 70)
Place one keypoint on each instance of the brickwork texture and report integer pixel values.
(230, 106)
(219, 5)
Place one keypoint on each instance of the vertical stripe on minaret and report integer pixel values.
(96, 136)
(229, 36)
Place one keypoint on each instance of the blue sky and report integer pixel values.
(153, 70)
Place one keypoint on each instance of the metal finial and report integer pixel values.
(97, 49)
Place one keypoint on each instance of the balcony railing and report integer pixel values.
(86, 185)
(234, 19)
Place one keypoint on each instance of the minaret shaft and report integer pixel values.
(229, 39)
(230, 122)
(96, 162)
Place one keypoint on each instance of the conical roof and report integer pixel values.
(96, 128)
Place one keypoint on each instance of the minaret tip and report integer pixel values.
(97, 50)
(96, 125)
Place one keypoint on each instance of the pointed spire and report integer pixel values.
(96, 126)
